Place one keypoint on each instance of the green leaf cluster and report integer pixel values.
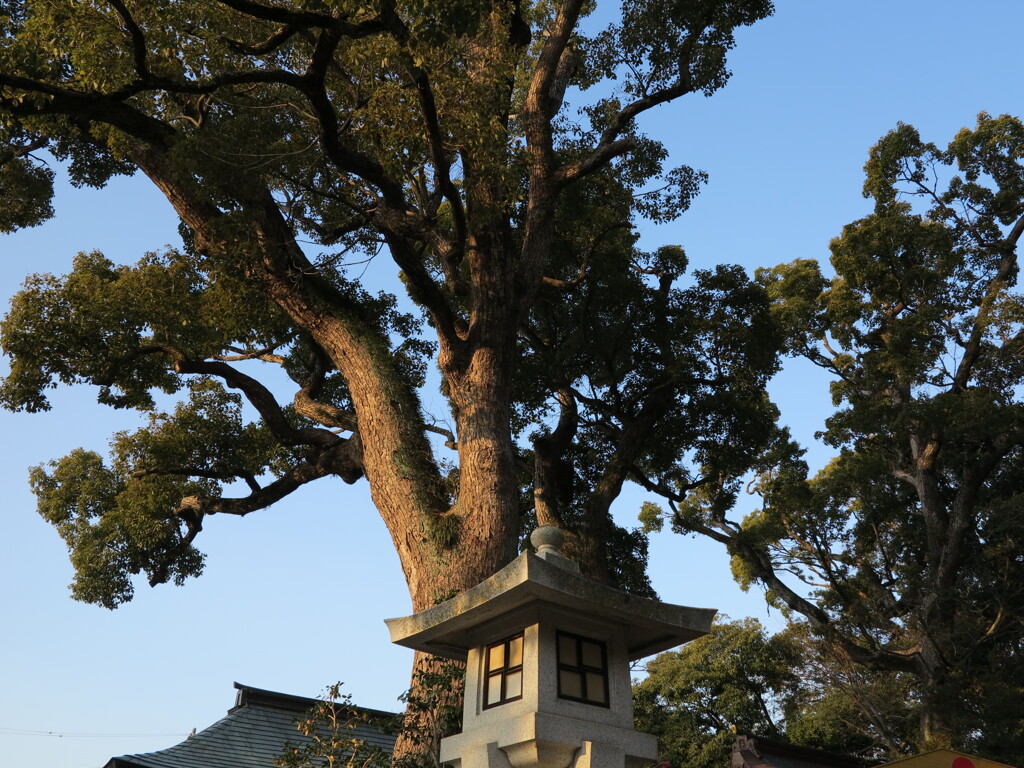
(122, 520)
(26, 189)
(692, 698)
(109, 537)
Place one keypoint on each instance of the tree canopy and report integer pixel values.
(691, 698)
(297, 141)
(903, 555)
(491, 155)
(740, 679)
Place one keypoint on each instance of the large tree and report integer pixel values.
(435, 135)
(903, 555)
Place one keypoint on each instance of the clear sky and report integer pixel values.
(293, 598)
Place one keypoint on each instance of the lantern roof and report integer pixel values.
(547, 580)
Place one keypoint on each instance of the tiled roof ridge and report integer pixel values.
(261, 697)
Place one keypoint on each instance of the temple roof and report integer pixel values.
(252, 734)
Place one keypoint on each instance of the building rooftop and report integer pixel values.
(946, 758)
(759, 752)
(252, 734)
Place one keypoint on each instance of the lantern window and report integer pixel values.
(503, 671)
(582, 669)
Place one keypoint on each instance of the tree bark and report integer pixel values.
(443, 550)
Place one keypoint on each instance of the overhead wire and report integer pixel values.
(69, 735)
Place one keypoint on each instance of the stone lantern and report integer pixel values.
(547, 655)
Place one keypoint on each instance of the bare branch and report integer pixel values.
(599, 158)
(258, 396)
(266, 355)
(15, 152)
(673, 494)
(209, 474)
(551, 476)
(449, 436)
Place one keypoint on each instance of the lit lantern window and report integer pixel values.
(582, 669)
(503, 671)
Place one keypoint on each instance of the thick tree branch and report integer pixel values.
(673, 493)
(545, 73)
(603, 154)
(552, 477)
(306, 403)
(538, 224)
(1015, 233)
(282, 14)
(998, 283)
(963, 509)
(447, 434)
(341, 460)
(13, 152)
(262, 400)
(422, 287)
(391, 438)
(271, 44)
(138, 39)
(440, 156)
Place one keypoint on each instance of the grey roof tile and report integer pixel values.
(251, 735)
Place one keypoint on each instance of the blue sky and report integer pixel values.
(294, 597)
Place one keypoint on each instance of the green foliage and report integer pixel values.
(25, 193)
(841, 707)
(50, 340)
(699, 33)
(899, 539)
(437, 134)
(433, 710)
(651, 517)
(329, 739)
(132, 330)
(684, 365)
(125, 519)
(740, 679)
(112, 530)
(734, 676)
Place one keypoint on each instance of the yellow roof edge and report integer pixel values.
(979, 762)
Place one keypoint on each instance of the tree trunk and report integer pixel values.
(435, 698)
(433, 710)
(442, 550)
(939, 702)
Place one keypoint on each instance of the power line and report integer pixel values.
(67, 735)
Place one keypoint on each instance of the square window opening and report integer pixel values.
(582, 669)
(503, 672)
